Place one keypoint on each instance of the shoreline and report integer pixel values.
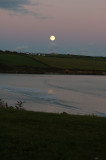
(57, 72)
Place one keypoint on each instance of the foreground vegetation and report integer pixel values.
(30, 135)
(13, 62)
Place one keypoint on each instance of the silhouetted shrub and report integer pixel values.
(18, 106)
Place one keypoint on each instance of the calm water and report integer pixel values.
(56, 93)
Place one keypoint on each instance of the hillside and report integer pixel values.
(13, 62)
(19, 63)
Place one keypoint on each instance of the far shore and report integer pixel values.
(22, 63)
(54, 72)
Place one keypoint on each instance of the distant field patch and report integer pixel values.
(19, 60)
(77, 63)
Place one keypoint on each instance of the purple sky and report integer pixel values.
(79, 26)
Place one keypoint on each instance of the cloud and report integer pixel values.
(21, 48)
(15, 5)
(19, 6)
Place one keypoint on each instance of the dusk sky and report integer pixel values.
(78, 25)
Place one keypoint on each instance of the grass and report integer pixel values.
(30, 135)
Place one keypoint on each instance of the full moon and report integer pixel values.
(52, 38)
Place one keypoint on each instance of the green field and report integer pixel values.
(74, 62)
(19, 60)
(13, 62)
(26, 135)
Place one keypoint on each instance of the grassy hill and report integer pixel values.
(28, 135)
(13, 62)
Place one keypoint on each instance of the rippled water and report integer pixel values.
(56, 93)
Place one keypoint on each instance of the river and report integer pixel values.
(74, 94)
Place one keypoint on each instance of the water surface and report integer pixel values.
(56, 93)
